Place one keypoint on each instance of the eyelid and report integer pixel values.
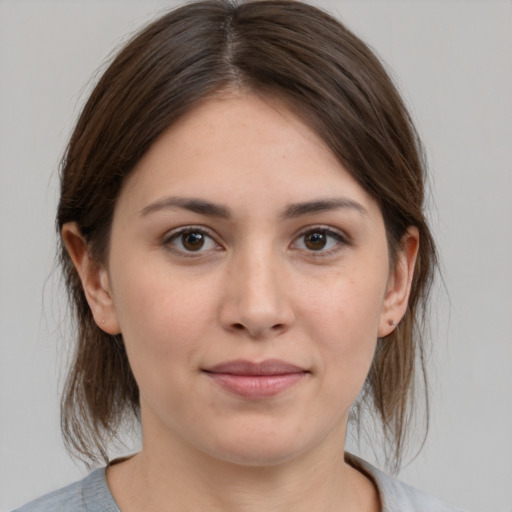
(342, 238)
(175, 233)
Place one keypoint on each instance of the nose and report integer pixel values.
(256, 298)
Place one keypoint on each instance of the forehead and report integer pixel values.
(240, 146)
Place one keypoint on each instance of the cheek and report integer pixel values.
(346, 303)
(164, 321)
(162, 317)
(344, 320)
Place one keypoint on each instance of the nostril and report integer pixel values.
(241, 327)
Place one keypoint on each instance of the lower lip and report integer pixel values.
(257, 386)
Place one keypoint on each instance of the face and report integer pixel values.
(248, 274)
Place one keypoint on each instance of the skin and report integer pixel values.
(257, 289)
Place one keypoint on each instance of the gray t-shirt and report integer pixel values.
(93, 495)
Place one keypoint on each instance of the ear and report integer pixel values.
(94, 277)
(399, 283)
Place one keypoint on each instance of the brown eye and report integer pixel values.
(193, 240)
(322, 241)
(190, 240)
(315, 240)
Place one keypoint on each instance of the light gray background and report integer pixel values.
(453, 62)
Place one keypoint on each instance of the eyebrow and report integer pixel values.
(211, 209)
(193, 204)
(322, 205)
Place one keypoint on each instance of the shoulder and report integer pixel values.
(88, 495)
(397, 496)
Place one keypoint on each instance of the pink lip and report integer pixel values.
(256, 380)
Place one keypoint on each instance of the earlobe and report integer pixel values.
(399, 283)
(94, 278)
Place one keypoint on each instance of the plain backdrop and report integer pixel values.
(453, 63)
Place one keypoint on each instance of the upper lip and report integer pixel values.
(267, 367)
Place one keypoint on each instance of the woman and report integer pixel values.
(247, 256)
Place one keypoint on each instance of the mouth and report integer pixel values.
(256, 381)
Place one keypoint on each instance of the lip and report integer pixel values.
(256, 381)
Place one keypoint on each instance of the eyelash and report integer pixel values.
(169, 238)
(340, 241)
(176, 234)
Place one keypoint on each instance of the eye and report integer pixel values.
(190, 240)
(321, 240)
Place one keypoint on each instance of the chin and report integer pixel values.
(257, 457)
(248, 447)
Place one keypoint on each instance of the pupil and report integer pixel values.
(316, 241)
(193, 241)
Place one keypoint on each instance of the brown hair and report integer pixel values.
(283, 48)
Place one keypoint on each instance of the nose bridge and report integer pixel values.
(256, 300)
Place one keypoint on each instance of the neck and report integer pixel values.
(168, 480)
